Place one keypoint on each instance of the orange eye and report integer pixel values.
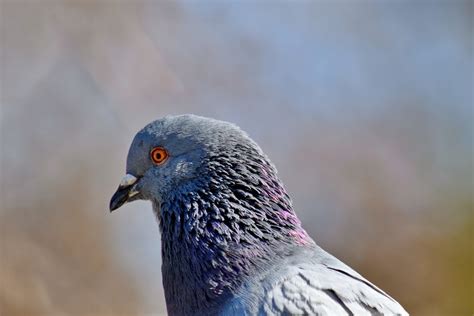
(158, 155)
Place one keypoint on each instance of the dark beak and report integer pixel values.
(125, 191)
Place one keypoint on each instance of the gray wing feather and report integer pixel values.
(325, 286)
(312, 283)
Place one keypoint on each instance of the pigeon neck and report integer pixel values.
(221, 229)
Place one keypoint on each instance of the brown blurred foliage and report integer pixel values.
(56, 258)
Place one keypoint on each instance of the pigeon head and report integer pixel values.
(222, 210)
(176, 153)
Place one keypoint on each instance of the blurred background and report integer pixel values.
(366, 108)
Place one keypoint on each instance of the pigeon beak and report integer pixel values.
(125, 191)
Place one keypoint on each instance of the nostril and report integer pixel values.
(127, 181)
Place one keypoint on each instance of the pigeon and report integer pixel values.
(231, 242)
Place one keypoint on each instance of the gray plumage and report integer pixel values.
(312, 282)
(231, 241)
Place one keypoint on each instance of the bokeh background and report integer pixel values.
(365, 107)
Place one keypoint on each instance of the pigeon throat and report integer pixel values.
(220, 229)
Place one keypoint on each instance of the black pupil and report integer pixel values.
(158, 156)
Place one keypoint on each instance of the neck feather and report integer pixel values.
(217, 230)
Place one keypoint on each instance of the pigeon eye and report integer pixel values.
(158, 155)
